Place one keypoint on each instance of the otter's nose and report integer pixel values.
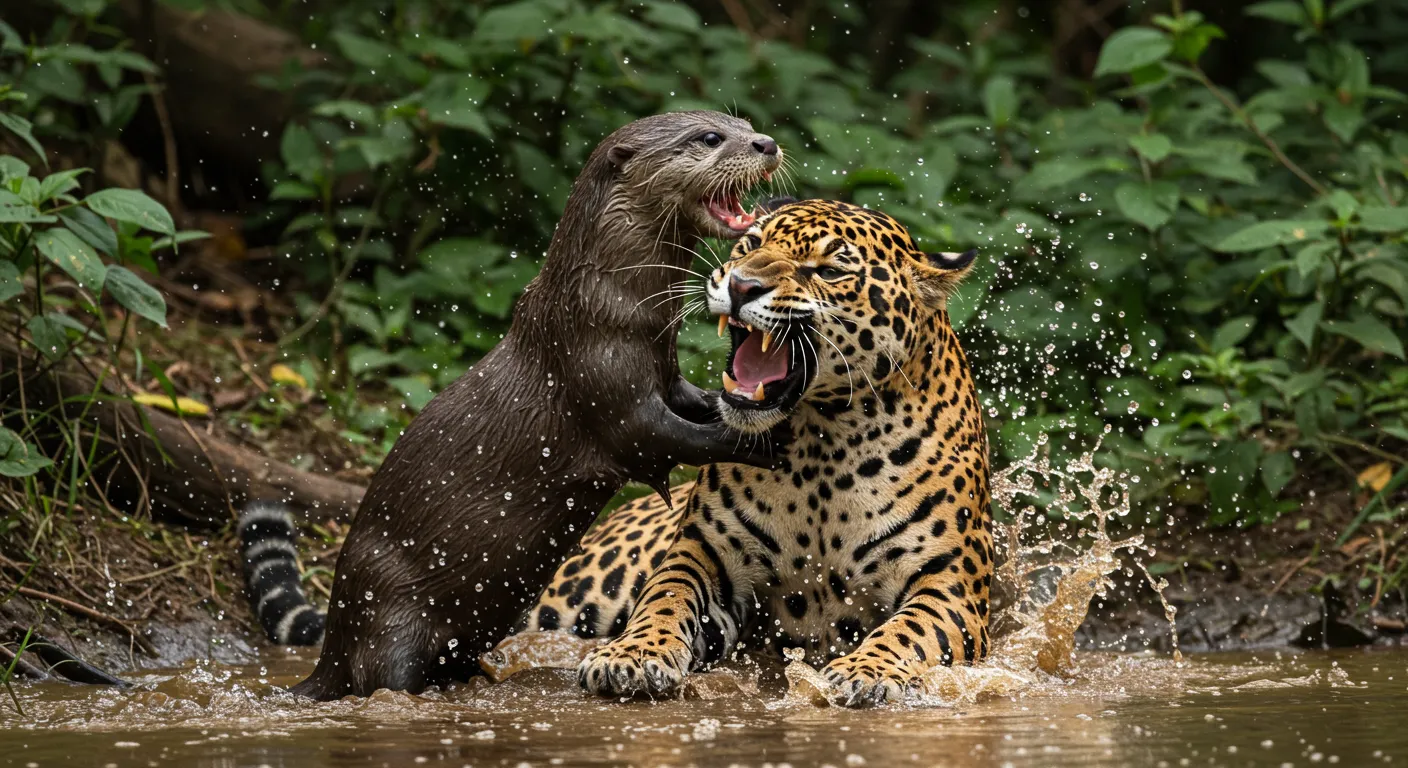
(742, 290)
(765, 145)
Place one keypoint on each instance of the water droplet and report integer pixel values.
(1126, 350)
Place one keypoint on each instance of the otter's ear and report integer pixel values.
(937, 275)
(619, 154)
(772, 204)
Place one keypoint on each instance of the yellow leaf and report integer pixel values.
(184, 406)
(1376, 477)
(285, 375)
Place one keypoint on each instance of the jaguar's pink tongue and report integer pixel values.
(752, 366)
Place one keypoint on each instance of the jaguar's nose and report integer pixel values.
(742, 290)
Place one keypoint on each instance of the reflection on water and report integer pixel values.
(1302, 709)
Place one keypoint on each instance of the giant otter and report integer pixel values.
(501, 473)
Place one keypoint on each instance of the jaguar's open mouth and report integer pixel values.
(766, 369)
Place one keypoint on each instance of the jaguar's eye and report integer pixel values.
(750, 242)
(830, 273)
(711, 139)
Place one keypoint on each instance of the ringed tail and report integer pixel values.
(268, 544)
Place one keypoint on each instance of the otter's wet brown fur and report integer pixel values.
(499, 476)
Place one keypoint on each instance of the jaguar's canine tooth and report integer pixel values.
(723, 323)
(758, 393)
(767, 339)
(729, 384)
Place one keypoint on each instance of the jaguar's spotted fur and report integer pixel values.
(871, 547)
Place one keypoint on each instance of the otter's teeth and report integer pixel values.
(723, 323)
(767, 339)
(730, 385)
(758, 393)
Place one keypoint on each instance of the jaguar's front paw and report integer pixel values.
(865, 682)
(626, 668)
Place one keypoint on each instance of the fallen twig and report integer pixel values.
(91, 613)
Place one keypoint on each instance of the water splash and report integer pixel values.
(1055, 557)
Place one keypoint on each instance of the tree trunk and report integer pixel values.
(160, 462)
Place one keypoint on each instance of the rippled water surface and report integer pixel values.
(1271, 709)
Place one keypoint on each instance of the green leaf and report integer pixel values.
(1190, 44)
(364, 51)
(1050, 174)
(1343, 7)
(300, 153)
(351, 111)
(48, 335)
(1284, 11)
(1131, 48)
(184, 236)
(1266, 234)
(672, 15)
(73, 256)
(1379, 218)
(15, 210)
(132, 206)
(25, 130)
(1303, 325)
(1000, 100)
(520, 22)
(1149, 205)
(56, 184)
(1343, 120)
(414, 389)
(18, 458)
(1342, 203)
(454, 99)
(1370, 332)
(1277, 469)
(135, 294)
(1232, 332)
(1312, 257)
(91, 228)
(1154, 147)
(293, 190)
(11, 284)
(12, 167)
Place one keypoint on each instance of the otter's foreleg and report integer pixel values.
(682, 441)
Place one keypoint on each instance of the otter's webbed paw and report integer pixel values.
(624, 668)
(691, 403)
(865, 682)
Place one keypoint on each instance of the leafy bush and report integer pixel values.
(1207, 260)
(69, 262)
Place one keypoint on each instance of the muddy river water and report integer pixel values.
(1276, 708)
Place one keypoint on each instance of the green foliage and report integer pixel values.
(1210, 262)
(1222, 274)
(67, 258)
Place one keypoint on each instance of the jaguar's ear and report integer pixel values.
(937, 275)
(619, 154)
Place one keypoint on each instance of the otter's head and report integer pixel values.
(694, 166)
(823, 301)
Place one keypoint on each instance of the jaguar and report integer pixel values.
(869, 548)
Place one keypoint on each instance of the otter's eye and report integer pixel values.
(829, 273)
(711, 139)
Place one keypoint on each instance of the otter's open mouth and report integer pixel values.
(725, 207)
(766, 369)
